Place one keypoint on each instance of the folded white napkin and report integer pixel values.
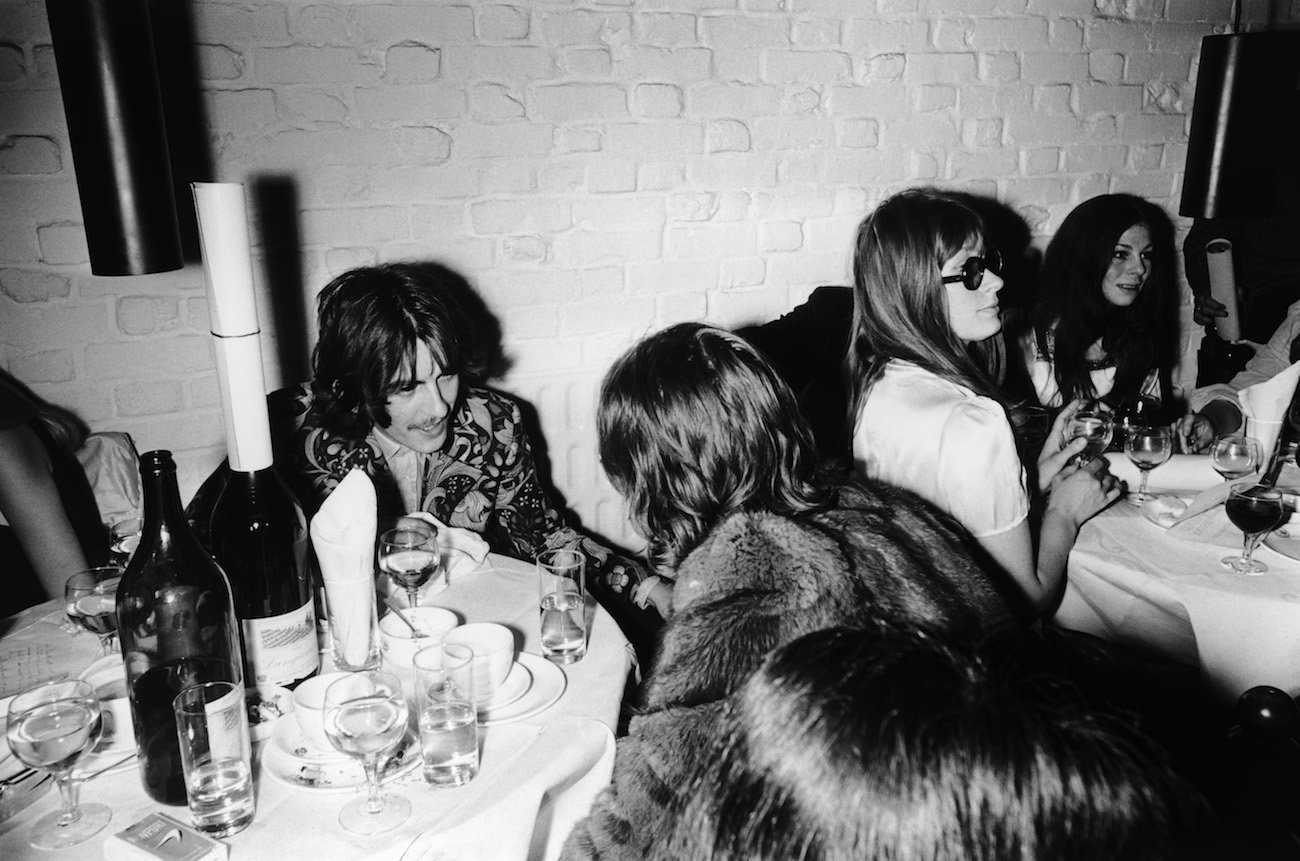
(536, 798)
(462, 551)
(1187, 472)
(343, 533)
(1265, 405)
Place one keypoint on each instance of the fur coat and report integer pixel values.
(757, 581)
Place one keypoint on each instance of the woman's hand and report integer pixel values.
(656, 592)
(1057, 450)
(1079, 492)
(1206, 308)
(1194, 433)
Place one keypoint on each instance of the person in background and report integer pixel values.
(888, 742)
(51, 527)
(394, 393)
(929, 416)
(1104, 319)
(757, 545)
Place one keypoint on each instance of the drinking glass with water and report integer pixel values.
(216, 756)
(444, 676)
(561, 581)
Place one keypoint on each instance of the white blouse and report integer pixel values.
(943, 442)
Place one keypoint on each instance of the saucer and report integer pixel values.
(549, 683)
(287, 737)
(515, 686)
(336, 772)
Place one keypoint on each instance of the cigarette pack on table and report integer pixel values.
(158, 836)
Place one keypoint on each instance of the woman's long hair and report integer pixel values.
(694, 424)
(900, 308)
(1070, 306)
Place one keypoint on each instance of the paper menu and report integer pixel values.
(33, 655)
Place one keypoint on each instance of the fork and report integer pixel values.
(16, 777)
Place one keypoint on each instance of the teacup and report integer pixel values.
(309, 709)
(494, 653)
(401, 644)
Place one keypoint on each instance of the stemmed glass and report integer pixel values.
(1235, 456)
(90, 598)
(409, 555)
(51, 727)
(1254, 509)
(1093, 421)
(365, 717)
(1147, 447)
(1139, 412)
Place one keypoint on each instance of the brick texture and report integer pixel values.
(595, 170)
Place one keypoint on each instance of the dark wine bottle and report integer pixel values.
(259, 536)
(176, 623)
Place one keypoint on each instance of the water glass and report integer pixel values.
(444, 678)
(365, 717)
(1148, 448)
(51, 727)
(216, 756)
(561, 583)
(1235, 456)
(1094, 422)
(409, 555)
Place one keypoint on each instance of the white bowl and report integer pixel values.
(309, 708)
(401, 644)
(108, 677)
(494, 652)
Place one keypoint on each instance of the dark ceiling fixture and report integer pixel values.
(104, 51)
(1244, 141)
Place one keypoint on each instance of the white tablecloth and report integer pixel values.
(1131, 581)
(538, 775)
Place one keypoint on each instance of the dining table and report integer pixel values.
(542, 761)
(1133, 578)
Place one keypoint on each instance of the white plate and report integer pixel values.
(288, 738)
(515, 686)
(118, 736)
(1285, 540)
(322, 773)
(548, 686)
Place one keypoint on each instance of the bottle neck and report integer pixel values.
(162, 497)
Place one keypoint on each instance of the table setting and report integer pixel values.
(1204, 566)
(455, 725)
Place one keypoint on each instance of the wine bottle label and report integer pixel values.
(282, 649)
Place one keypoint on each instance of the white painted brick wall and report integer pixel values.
(597, 170)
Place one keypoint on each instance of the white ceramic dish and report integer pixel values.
(108, 676)
(288, 761)
(400, 644)
(517, 683)
(1285, 541)
(548, 686)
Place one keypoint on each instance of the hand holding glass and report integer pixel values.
(409, 555)
(1093, 423)
(51, 727)
(1147, 447)
(91, 600)
(1255, 510)
(1235, 456)
(365, 717)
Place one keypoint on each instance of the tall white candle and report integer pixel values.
(228, 272)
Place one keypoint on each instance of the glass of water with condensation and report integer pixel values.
(563, 605)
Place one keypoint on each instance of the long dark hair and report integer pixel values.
(899, 305)
(694, 424)
(1069, 304)
(371, 320)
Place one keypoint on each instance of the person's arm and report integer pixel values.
(30, 502)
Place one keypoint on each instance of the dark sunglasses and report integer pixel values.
(972, 271)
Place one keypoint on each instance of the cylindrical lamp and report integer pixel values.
(1243, 122)
(104, 51)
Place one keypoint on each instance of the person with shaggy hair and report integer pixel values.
(835, 750)
(755, 545)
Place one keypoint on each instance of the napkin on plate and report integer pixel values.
(343, 533)
(462, 551)
(1187, 472)
(1265, 406)
(528, 806)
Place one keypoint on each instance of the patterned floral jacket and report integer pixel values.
(484, 480)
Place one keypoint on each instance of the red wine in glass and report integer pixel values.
(1254, 510)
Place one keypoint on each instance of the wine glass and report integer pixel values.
(1138, 412)
(409, 555)
(1235, 456)
(123, 538)
(90, 598)
(365, 717)
(1093, 422)
(1254, 509)
(51, 727)
(1147, 447)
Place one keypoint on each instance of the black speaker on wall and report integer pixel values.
(1243, 147)
(104, 51)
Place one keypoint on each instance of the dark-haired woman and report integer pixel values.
(1104, 321)
(706, 443)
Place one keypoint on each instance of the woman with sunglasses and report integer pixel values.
(1104, 320)
(925, 360)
